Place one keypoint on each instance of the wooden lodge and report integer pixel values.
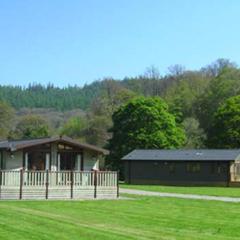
(201, 167)
(54, 168)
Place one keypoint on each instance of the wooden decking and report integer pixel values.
(58, 185)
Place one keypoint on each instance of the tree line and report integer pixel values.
(187, 109)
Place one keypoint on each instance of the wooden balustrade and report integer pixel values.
(57, 184)
(10, 178)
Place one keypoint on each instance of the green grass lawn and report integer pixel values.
(213, 191)
(141, 218)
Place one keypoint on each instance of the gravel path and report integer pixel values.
(179, 195)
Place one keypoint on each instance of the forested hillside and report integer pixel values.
(39, 96)
(193, 97)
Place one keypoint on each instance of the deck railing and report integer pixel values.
(58, 184)
(235, 172)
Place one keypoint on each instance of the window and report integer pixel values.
(36, 161)
(193, 167)
(61, 146)
(64, 147)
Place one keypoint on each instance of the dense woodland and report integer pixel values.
(199, 102)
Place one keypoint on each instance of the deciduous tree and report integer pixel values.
(195, 136)
(31, 126)
(142, 123)
(75, 127)
(6, 119)
(225, 129)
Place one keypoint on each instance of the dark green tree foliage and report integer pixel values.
(75, 127)
(225, 85)
(6, 119)
(31, 126)
(184, 93)
(189, 94)
(99, 116)
(39, 96)
(225, 129)
(142, 123)
(195, 136)
(92, 128)
(96, 132)
(112, 96)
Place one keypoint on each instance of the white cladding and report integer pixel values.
(13, 161)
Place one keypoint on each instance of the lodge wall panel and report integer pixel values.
(33, 192)
(12, 161)
(59, 192)
(10, 193)
(158, 172)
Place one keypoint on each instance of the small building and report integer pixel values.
(53, 153)
(183, 167)
(54, 168)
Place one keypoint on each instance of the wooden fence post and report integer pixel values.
(21, 184)
(71, 184)
(95, 184)
(47, 183)
(117, 184)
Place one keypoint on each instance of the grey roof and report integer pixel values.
(14, 145)
(185, 155)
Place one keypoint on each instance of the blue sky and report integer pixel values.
(79, 41)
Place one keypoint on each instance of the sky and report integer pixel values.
(80, 41)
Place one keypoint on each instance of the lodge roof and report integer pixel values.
(14, 145)
(184, 155)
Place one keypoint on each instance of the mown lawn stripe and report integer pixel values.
(142, 218)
